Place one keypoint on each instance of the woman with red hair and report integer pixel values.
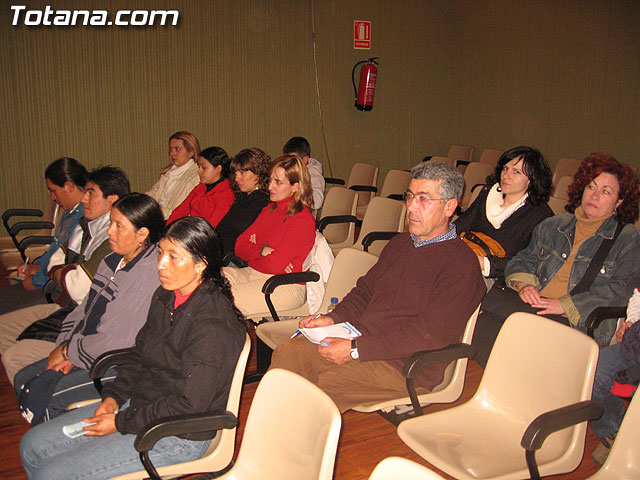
(548, 274)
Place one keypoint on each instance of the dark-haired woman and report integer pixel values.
(109, 317)
(603, 202)
(184, 359)
(250, 182)
(509, 206)
(212, 197)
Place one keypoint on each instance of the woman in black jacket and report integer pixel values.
(183, 362)
(509, 206)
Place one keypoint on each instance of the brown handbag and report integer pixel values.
(482, 245)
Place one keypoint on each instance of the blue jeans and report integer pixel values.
(75, 386)
(610, 362)
(48, 454)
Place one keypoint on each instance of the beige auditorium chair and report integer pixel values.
(450, 161)
(490, 156)
(397, 468)
(350, 264)
(449, 390)
(557, 205)
(475, 174)
(395, 184)
(339, 201)
(383, 215)
(462, 153)
(220, 452)
(565, 167)
(560, 190)
(291, 432)
(539, 374)
(363, 179)
(623, 461)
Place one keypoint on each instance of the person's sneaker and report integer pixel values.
(601, 452)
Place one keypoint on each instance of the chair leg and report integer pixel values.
(263, 360)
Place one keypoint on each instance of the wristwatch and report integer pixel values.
(354, 350)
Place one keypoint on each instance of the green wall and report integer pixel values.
(559, 75)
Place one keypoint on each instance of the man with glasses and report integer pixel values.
(419, 296)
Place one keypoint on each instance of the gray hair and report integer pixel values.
(452, 182)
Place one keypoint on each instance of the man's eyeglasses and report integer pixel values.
(422, 198)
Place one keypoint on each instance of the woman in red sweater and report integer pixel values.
(212, 198)
(278, 241)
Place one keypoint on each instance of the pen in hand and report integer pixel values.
(298, 332)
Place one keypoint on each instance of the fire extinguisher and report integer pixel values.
(367, 87)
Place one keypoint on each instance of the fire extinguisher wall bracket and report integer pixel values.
(367, 86)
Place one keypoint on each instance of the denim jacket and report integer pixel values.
(550, 247)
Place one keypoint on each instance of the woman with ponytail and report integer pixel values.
(183, 362)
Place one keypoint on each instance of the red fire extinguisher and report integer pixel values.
(367, 87)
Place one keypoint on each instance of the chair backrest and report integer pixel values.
(383, 215)
(538, 365)
(396, 468)
(623, 460)
(284, 441)
(395, 183)
(363, 174)
(460, 152)
(350, 264)
(475, 173)
(339, 201)
(557, 205)
(490, 156)
(448, 160)
(565, 166)
(560, 190)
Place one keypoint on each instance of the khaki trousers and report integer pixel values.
(246, 286)
(351, 384)
(17, 355)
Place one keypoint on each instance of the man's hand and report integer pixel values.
(266, 250)
(549, 306)
(529, 294)
(338, 351)
(623, 328)
(29, 271)
(57, 360)
(314, 322)
(108, 405)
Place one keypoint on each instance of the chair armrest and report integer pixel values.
(462, 162)
(284, 279)
(181, 425)
(555, 420)
(18, 227)
(371, 237)
(35, 240)
(396, 196)
(324, 221)
(105, 361)
(335, 181)
(599, 314)
(477, 185)
(178, 425)
(416, 362)
(21, 212)
(363, 188)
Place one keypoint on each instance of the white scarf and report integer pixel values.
(497, 213)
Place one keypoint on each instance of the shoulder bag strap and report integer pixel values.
(596, 263)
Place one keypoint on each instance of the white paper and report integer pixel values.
(337, 330)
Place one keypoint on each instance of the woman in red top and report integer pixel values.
(212, 198)
(278, 241)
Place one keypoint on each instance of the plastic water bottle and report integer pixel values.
(334, 302)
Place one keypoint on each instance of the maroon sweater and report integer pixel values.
(413, 299)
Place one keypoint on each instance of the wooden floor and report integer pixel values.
(365, 440)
